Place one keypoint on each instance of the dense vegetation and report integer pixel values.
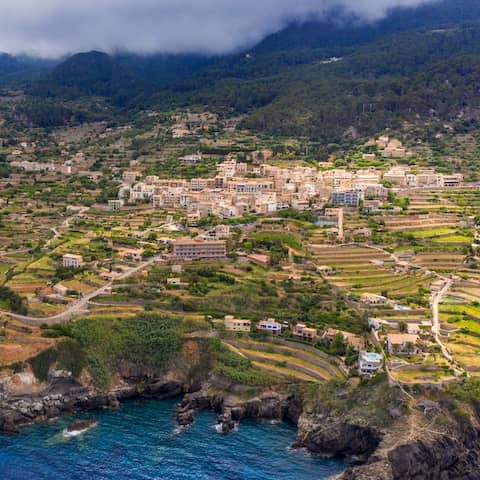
(426, 73)
(235, 368)
(418, 65)
(103, 346)
(414, 62)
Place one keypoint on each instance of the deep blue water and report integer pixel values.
(140, 442)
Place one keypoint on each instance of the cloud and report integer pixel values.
(56, 27)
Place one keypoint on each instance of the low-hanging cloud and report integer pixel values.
(52, 28)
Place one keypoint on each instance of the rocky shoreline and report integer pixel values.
(379, 454)
(66, 396)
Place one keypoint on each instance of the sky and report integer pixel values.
(51, 28)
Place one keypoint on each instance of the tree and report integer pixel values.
(338, 346)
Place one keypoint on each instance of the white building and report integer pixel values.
(369, 363)
(72, 261)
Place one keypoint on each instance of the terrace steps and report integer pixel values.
(294, 358)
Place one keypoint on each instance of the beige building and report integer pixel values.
(233, 324)
(403, 344)
(373, 299)
(191, 249)
(303, 332)
(72, 261)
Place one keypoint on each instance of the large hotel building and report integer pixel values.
(190, 249)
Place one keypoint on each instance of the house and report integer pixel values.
(413, 328)
(446, 330)
(369, 363)
(130, 177)
(270, 325)
(93, 176)
(376, 323)
(115, 205)
(220, 232)
(108, 276)
(403, 344)
(451, 181)
(373, 300)
(72, 261)
(233, 324)
(60, 289)
(135, 254)
(174, 281)
(437, 285)
(193, 249)
(355, 341)
(195, 158)
(260, 259)
(303, 332)
(177, 269)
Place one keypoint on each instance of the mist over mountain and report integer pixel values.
(319, 78)
(54, 28)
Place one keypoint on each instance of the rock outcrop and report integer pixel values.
(66, 395)
(330, 434)
(270, 405)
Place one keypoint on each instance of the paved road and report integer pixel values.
(80, 307)
(435, 301)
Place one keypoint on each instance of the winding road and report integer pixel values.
(79, 307)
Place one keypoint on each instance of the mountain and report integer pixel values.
(89, 74)
(162, 69)
(324, 79)
(14, 70)
(415, 65)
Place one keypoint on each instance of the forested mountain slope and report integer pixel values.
(420, 65)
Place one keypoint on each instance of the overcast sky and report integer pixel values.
(55, 27)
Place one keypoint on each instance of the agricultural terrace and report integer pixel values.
(460, 310)
(287, 359)
(359, 269)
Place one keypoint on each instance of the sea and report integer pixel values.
(141, 441)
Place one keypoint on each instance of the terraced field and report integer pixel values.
(444, 261)
(363, 270)
(464, 344)
(289, 359)
(417, 223)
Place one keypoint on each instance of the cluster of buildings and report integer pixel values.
(240, 188)
(392, 148)
(237, 190)
(405, 177)
(32, 167)
(269, 325)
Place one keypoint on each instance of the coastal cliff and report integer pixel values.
(63, 395)
(426, 440)
(385, 435)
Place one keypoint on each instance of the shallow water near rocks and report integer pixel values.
(141, 441)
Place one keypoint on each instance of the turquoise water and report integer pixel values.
(140, 442)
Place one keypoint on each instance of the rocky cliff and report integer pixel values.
(385, 436)
(24, 400)
(406, 441)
